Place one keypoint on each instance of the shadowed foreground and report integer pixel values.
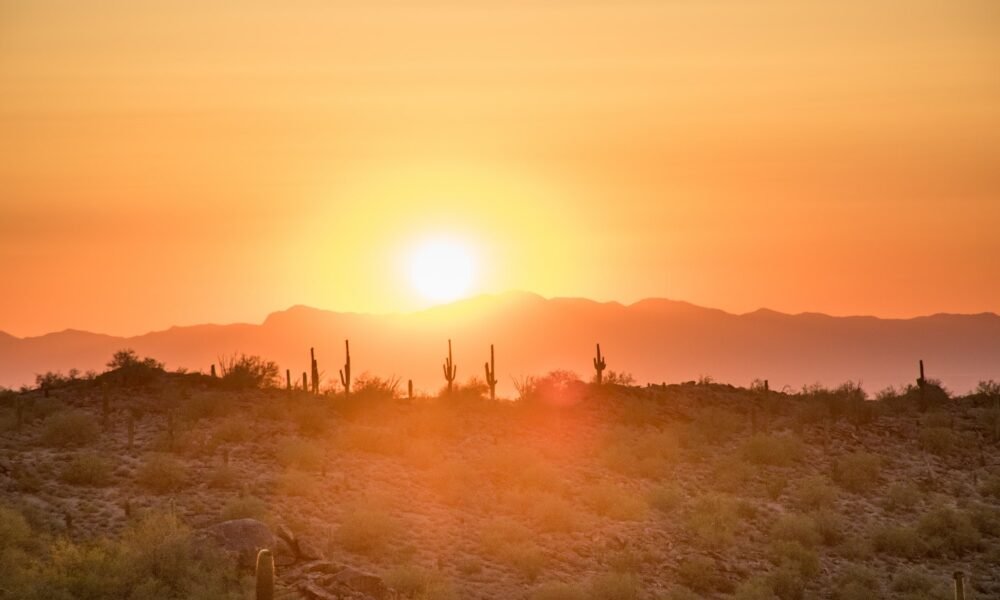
(697, 490)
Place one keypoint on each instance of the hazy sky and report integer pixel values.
(180, 162)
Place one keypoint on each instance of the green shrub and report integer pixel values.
(87, 469)
(416, 582)
(666, 497)
(938, 440)
(161, 473)
(948, 532)
(714, 520)
(73, 428)
(917, 584)
(787, 582)
(858, 472)
(640, 453)
(366, 531)
(793, 554)
(701, 574)
(816, 492)
(830, 526)
(899, 541)
(245, 507)
(558, 591)
(796, 528)
(758, 588)
(609, 500)
(775, 450)
(857, 583)
(615, 586)
(902, 496)
(300, 454)
(717, 425)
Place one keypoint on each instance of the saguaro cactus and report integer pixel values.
(409, 390)
(449, 368)
(491, 375)
(265, 575)
(599, 366)
(345, 373)
(213, 370)
(921, 385)
(288, 379)
(305, 382)
(315, 370)
(959, 585)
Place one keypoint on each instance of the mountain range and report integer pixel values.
(655, 340)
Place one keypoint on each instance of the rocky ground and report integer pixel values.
(695, 490)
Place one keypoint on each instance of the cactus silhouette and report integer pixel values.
(345, 373)
(491, 375)
(449, 368)
(599, 366)
(265, 575)
(409, 390)
(288, 379)
(315, 370)
(213, 371)
(305, 381)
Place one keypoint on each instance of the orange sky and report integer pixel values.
(190, 161)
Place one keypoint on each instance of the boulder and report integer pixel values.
(244, 538)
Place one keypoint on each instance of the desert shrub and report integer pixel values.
(902, 496)
(557, 389)
(774, 485)
(757, 588)
(815, 492)
(787, 582)
(609, 500)
(15, 531)
(416, 582)
(553, 514)
(732, 475)
(224, 477)
(205, 406)
(299, 454)
(991, 487)
(857, 582)
(899, 541)
(796, 528)
(233, 430)
(640, 453)
(948, 532)
(858, 472)
(830, 526)
(73, 428)
(701, 574)
(763, 449)
(558, 591)
(244, 507)
(161, 473)
(126, 368)
(792, 554)
(366, 531)
(918, 584)
(87, 469)
(500, 532)
(855, 548)
(666, 497)
(368, 388)
(156, 557)
(938, 440)
(713, 518)
(615, 586)
(716, 425)
(526, 559)
(986, 519)
(375, 440)
(247, 372)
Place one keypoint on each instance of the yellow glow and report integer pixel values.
(442, 270)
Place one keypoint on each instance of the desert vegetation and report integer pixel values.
(572, 490)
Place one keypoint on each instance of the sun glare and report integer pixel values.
(441, 270)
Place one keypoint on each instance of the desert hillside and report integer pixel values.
(111, 485)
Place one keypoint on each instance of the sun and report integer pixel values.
(442, 270)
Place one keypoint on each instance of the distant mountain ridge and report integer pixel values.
(654, 339)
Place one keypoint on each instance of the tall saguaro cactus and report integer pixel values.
(315, 370)
(409, 390)
(449, 368)
(345, 373)
(491, 375)
(599, 365)
(288, 379)
(921, 385)
(265, 575)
